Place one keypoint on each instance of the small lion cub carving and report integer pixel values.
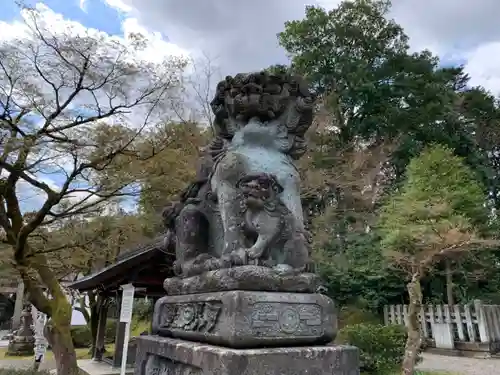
(269, 224)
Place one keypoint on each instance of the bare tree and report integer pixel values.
(200, 80)
(70, 104)
(348, 181)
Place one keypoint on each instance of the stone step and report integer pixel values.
(161, 355)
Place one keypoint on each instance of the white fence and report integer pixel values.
(472, 323)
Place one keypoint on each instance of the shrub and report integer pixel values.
(381, 347)
(138, 327)
(143, 310)
(109, 336)
(82, 338)
(351, 315)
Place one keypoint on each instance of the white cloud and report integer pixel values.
(483, 65)
(59, 25)
(243, 33)
(9, 31)
(448, 25)
(119, 5)
(157, 49)
(83, 5)
(18, 29)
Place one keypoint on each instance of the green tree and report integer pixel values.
(357, 274)
(58, 96)
(93, 243)
(375, 89)
(482, 114)
(439, 211)
(169, 153)
(355, 35)
(168, 172)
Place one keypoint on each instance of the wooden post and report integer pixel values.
(482, 323)
(468, 321)
(393, 315)
(423, 322)
(432, 319)
(459, 322)
(99, 347)
(399, 314)
(155, 299)
(494, 313)
(386, 315)
(119, 340)
(120, 334)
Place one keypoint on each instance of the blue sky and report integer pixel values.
(97, 14)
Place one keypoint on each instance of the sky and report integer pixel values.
(240, 35)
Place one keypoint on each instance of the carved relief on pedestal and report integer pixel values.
(196, 316)
(277, 319)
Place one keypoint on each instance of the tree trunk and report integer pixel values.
(413, 325)
(58, 334)
(58, 329)
(449, 283)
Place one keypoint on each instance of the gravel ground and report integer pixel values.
(460, 365)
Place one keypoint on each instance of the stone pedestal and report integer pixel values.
(247, 319)
(21, 346)
(161, 356)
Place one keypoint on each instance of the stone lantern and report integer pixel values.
(22, 342)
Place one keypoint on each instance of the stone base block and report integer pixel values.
(243, 319)
(256, 278)
(21, 348)
(161, 356)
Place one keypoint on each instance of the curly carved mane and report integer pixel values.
(265, 96)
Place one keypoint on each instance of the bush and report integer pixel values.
(82, 338)
(139, 326)
(109, 336)
(143, 310)
(351, 315)
(381, 347)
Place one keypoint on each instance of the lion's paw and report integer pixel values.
(254, 253)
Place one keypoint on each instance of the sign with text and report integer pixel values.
(127, 303)
(126, 317)
(39, 320)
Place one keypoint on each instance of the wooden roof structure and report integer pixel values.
(145, 267)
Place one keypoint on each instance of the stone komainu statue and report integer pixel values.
(242, 249)
(244, 207)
